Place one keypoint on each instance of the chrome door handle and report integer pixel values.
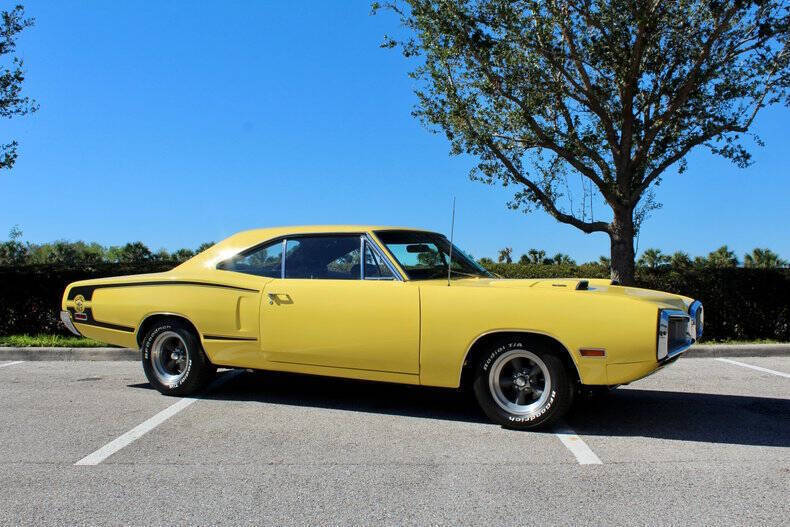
(275, 297)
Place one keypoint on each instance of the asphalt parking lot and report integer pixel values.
(705, 441)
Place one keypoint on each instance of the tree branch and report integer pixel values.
(545, 139)
(545, 201)
(686, 87)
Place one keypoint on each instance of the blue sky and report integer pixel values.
(175, 123)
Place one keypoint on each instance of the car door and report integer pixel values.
(332, 310)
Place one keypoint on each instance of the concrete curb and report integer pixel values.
(69, 354)
(738, 350)
(128, 354)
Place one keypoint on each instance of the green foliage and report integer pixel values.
(183, 255)
(65, 253)
(533, 256)
(721, 257)
(12, 102)
(30, 302)
(203, 246)
(562, 259)
(605, 261)
(764, 259)
(680, 260)
(653, 258)
(562, 270)
(49, 341)
(505, 255)
(135, 252)
(13, 252)
(541, 92)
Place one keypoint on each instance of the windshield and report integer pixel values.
(424, 255)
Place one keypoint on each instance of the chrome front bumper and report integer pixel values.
(678, 331)
(65, 317)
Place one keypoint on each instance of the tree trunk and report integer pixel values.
(621, 234)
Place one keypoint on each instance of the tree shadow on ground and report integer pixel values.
(625, 412)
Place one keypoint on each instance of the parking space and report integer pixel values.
(695, 410)
(50, 412)
(295, 419)
(702, 441)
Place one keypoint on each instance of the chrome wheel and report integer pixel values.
(169, 358)
(519, 381)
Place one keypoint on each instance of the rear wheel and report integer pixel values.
(173, 359)
(522, 386)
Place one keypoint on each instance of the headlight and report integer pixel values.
(697, 315)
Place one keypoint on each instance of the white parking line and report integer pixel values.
(577, 446)
(146, 426)
(758, 368)
(11, 363)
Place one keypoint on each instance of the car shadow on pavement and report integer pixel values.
(625, 412)
(347, 394)
(685, 416)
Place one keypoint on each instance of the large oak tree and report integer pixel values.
(615, 91)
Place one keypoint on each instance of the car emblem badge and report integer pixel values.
(79, 303)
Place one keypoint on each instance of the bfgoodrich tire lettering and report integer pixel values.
(173, 360)
(522, 385)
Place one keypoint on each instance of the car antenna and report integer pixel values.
(452, 228)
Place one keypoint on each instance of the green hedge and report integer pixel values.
(30, 295)
(740, 304)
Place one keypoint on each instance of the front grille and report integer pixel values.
(678, 332)
(674, 328)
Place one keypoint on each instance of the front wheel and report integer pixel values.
(522, 386)
(173, 360)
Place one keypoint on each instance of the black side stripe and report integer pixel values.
(87, 290)
(90, 321)
(221, 337)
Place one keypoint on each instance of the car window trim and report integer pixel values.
(364, 237)
(247, 252)
(404, 273)
(368, 241)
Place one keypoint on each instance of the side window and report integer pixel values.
(323, 257)
(375, 268)
(263, 261)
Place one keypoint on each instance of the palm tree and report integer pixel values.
(722, 257)
(680, 260)
(533, 256)
(604, 261)
(505, 255)
(653, 258)
(763, 259)
(562, 259)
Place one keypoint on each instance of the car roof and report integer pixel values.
(249, 238)
(321, 229)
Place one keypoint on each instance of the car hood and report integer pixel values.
(585, 286)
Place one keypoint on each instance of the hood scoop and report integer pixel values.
(563, 283)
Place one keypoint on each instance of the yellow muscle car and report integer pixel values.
(385, 304)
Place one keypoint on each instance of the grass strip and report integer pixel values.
(49, 341)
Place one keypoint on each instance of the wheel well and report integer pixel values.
(146, 325)
(485, 343)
